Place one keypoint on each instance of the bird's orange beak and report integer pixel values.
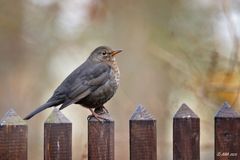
(115, 52)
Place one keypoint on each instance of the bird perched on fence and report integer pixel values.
(91, 85)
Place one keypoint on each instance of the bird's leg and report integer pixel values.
(105, 109)
(97, 116)
(101, 110)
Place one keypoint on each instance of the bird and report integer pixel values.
(91, 84)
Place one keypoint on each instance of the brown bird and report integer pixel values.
(91, 85)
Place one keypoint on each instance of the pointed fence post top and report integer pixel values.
(57, 117)
(226, 111)
(12, 118)
(141, 114)
(185, 112)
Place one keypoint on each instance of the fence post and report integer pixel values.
(227, 134)
(186, 134)
(143, 139)
(13, 137)
(101, 139)
(57, 137)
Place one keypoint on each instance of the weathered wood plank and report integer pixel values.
(101, 139)
(227, 134)
(13, 137)
(143, 138)
(186, 134)
(57, 137)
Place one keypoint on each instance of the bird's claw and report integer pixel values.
(98, 117)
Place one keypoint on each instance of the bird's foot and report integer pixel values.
(99, 116)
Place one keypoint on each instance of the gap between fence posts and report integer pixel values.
(57, 137)
(13, 137)
(227, 134)
(143, 135)
(186, 134)
(101, 138)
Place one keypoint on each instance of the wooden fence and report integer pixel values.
(142, 132)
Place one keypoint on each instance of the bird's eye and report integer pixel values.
(104, 53)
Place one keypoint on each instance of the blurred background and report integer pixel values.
(175, 51)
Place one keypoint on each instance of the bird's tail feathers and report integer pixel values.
(41, 108)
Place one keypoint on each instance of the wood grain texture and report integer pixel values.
(227, 134)
(13, 137)
(100, 139)
(57, 137)
(143, 139)
(186, 135)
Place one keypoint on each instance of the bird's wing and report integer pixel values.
(83, 85)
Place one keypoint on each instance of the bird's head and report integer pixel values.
(104, 54)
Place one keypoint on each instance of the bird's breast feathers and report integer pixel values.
(115, 72)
